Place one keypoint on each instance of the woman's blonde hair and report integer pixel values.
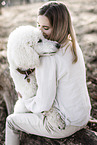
(60, 20)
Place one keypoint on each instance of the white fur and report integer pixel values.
(23, 52)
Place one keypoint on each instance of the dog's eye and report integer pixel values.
(40, 40)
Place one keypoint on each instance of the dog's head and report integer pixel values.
(25, 44)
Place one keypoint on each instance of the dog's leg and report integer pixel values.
(20, 107)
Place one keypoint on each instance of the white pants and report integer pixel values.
(32, 124)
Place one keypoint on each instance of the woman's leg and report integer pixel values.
(12, 136)
(32, 124)
(26, 122)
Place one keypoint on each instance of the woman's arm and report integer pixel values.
(46, 80)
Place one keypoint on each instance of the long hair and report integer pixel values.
(60, 20)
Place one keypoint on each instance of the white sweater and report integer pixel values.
(63, 83)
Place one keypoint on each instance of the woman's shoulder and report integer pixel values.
(47, 60)
(64, 54)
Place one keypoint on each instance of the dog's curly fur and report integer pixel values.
(25, 45)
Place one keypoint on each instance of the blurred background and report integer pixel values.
(4, 3)
(14, 13)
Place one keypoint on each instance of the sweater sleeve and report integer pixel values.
(46, 80)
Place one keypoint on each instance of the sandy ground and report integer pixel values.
(84, 17)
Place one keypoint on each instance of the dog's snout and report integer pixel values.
(58, 45)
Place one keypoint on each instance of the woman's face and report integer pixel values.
(44, 25)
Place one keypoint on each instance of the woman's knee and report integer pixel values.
(10, 118)
(10, 121)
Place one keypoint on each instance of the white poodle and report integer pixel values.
(25, 45)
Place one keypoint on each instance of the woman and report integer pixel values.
(62, 105)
